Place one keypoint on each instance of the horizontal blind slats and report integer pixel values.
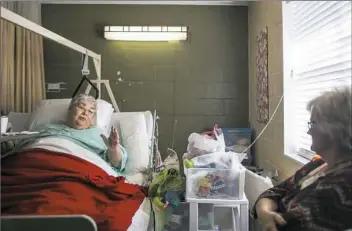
(320, 37)
(321, 85)
(331, 24)
(336, 69)
(321, 18)
(338, 52)
(314, 14)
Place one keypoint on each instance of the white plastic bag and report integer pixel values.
(201, 144)
(218, 160)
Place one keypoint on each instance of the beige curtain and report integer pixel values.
(7, 66)
(29, 70)
(22, 60)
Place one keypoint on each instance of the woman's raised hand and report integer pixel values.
(113, 141)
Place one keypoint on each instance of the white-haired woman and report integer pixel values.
(79, 136)
(319, 195)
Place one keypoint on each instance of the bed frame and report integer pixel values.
(79, 222)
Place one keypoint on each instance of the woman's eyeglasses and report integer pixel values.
(89, 111)
(310, 124)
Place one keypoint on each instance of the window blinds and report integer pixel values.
(320, 34)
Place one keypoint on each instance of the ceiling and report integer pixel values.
(135, 2)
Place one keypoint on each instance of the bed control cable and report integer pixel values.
(267, 124)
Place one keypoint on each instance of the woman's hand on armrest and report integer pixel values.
(268, 217)
(266, 207)
(114, 148)
(265, 204)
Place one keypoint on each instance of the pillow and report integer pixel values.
(55, 111)
(134, 138)
(104, 114)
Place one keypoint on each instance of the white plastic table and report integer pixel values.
(240, 216)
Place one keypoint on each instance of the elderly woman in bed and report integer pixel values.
(70, 168)
(319, 195)
(79, 136)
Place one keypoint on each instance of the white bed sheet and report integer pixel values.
(141, 218)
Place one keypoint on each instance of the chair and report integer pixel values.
(253, 187)
(48, 223)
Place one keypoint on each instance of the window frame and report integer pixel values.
(303, 156)
(292, 149)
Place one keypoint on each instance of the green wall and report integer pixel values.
(199, 82)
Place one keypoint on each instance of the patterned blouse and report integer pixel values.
(315, 198)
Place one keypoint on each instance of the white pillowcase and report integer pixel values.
(134, 136)
(55, 111)
(104, 114)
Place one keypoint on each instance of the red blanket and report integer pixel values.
(45, 183)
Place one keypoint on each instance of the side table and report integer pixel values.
(240, 211)
(17, 136)
(8, 141)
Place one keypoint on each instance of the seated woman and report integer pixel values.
(79, 136)
(319, 195)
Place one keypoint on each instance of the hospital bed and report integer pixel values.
(136, 134)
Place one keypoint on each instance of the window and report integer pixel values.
(317, 56)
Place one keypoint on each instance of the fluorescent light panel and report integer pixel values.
(145, 33)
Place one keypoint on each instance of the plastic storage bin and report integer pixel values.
(212, 184)
(237, 140)
(179, 218)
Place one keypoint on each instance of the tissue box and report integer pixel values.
(211, 183)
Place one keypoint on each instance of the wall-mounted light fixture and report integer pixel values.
(145, 33)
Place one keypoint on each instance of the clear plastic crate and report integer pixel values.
(210, 183)
(178, 219)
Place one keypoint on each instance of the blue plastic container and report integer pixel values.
(238, 140)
